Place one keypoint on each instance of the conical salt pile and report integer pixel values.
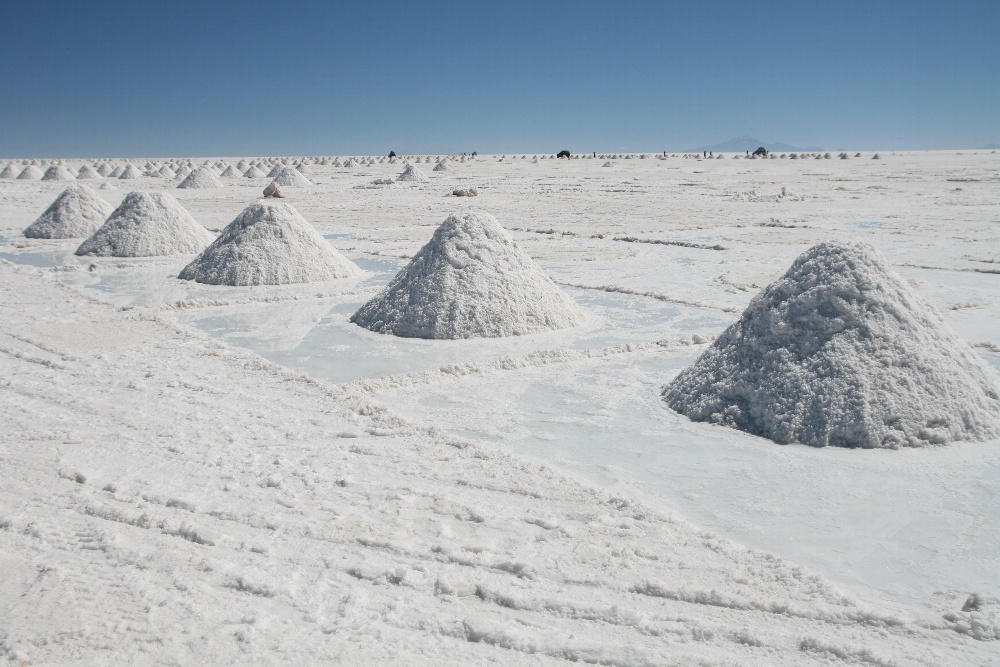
(290, 177)
(202, 177)
(129, 173)
(275, 170)
(269, 243)
(75, 214)
(412, 175)
(8, 172)
(470, 281)
(58, 173)
(30, 173)
(254, 172)
(231, 172)
(442, 166)
(840, 351)
(182, 173)
(87, 173)
(147, 224)
(103, 169)
(166, 172)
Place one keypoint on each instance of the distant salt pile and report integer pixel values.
(442, 166)
(30, 173)
(275, 170)
(129, 173)
(76, 213)
(202, 177)
(103, 169)
(231, 172)
(254, 172)
(290, 177)
(9, 172)
(58, 173)
(166, 172)
(147, 224)
(840, 351)
(182, 173)
(606, 164)
(470, 281)
(412, 175)
(269, 243)
(87, 173)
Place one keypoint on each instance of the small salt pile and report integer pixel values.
(290, 177)
(840, 351)
(412, 175)
(129, 173)
(76, 213)
(87, 173)
(166, 172)
(30, 173)
(202, 177)
(470, 281)
(231, 172)
(8, 172)
(442, 165)
(269, 243)
(58, 173)
(147, 224)
(254, 172)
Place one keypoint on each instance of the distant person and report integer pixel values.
(392, 153)
(704, 154)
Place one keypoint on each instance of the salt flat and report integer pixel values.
(199, 473)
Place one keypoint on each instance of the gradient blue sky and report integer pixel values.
(165, 78)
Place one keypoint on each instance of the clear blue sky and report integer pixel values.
(143, 78)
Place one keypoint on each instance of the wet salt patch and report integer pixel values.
(902, 529)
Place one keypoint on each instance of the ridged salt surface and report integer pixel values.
(470, 281)
(269, 243)
(147, 224)
(76, 213)
(202, 177)
(289, 177)
(840, 351)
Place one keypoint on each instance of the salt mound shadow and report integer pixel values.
(76, 213)
(147, 224)
(840, 351)
(269, 243)
(470, 281)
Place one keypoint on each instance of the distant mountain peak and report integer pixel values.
(748, 143)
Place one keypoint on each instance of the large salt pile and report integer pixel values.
(269, 243)
(77, 213)
(58, 173)
(202, 177)
(412, 175)
(147, 224)
(470, 281)
(840, 351)
(290, 177)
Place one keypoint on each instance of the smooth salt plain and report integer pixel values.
(662, 255)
